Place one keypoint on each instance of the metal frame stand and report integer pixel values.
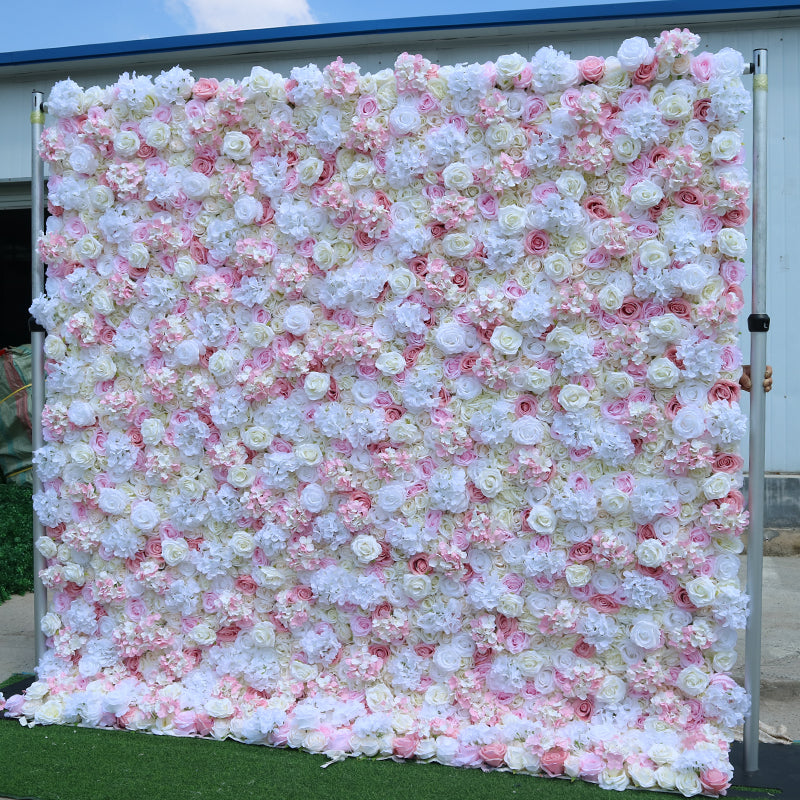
(758, 325)
(37, 361)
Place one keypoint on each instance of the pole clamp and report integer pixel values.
(758, 323)
(35, 327)
(37, 117)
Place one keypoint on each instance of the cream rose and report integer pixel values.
(365, 548)
(506, 340)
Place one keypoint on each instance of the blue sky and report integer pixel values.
(36, 24)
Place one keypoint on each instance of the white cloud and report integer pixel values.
(211, 16)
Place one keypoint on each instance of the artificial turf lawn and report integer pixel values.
(67, 763)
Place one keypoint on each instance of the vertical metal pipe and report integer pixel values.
(758, 325)
(37, 361)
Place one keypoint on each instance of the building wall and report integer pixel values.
(778, 31)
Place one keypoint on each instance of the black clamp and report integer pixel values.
(758, 323)
(35, 327)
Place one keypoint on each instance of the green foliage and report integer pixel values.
(16, 541)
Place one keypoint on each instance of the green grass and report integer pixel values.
(16, 541)
(68, 763)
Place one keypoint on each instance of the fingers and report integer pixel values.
(744, 381)
(767, 378)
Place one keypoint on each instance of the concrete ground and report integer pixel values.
(780, 660)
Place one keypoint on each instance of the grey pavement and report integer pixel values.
(780, 649)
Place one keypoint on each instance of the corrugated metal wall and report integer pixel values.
(779, 34)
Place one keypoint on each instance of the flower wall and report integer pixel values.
(397, 413)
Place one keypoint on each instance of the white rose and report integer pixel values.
(557, 267)
(236, 146)
(446, 749)
(646, 194)
(613, 780)
(618, 384)
(653, 255)
(499, 135)
(416, 586)
(541, 518)
(297, 319)
(612, 689)
(732, 242)
(402, 281)
(241, 475)
(196, 186)
(83, 159)
(717, 486)
(688, 783)
(527, 431)
(391, 363)
(675, 107)
(309, 170)
(220, 363)
(667, 327)
(458, 245)
(391, 497)
(645, 634)
(578, 574)
(512, 220)
(51, 624)
(726, 145)
(54, 347)
(538, 380)
(247, 210)
(173, 551)
(689, 422)
(242, 543)
(256, 438)
(573, 397)
(650, 553)
(308, 453)
(314, 498)
(457, 175)
(145, 515)
(185, 268)
(490, 481)
(610, 298)
(625, 148)
(87, 247)
(665, 777)
(404, 119)
(663, 373)
(112, 501)
(203, 635)
(510, 66)
(126, 144)
(571, 184)
(218, 707)
(158, 134)
(262, 634)
(51, 712)
(506, 340)
(641, 775)
(510, 605)
(152, 430)
(82, 455)
(317, 385)
(702, 591)
(451, 338)
(634, 52)
(692, 681)
(365, 548)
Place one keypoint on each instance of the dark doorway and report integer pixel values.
(15, 284)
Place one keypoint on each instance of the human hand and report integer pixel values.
(746, 381)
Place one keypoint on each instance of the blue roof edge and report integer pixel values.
(573, 13)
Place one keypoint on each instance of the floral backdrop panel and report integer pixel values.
(397, 413)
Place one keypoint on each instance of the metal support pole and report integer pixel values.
(758, 325)
(37, 361)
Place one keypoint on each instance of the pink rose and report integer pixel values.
(205, 88)
(714, 780)
(493, 754)
(592, 68)
(405, 746)
(553, 761)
